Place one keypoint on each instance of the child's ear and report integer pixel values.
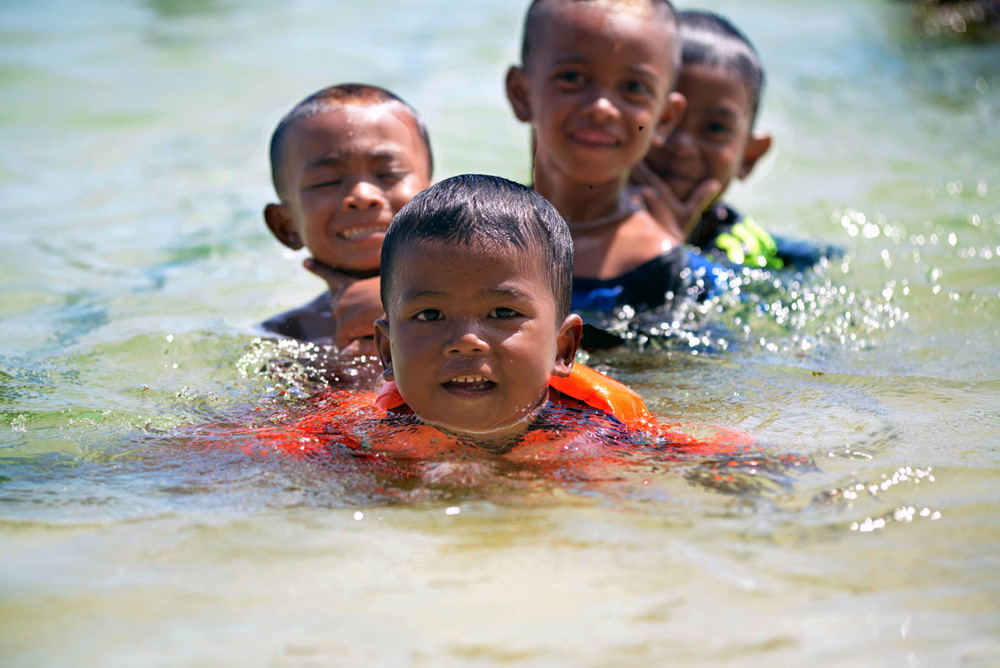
(282, 226)
(757, 146)
(671, 116)
(382, 347)
(567, 343)
(517, 93)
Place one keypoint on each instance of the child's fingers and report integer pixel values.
(697, 202)
(643, 175)
(355, 310)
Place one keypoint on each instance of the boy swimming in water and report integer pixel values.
(478, 347)
(596, 84)
(343, 162)
(476, 286)
(684, 179)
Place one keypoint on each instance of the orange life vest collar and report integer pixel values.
(583, 384)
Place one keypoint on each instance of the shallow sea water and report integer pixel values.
(135, 263)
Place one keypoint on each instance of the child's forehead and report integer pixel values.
(602, 16)
(611, 28)
(715, 79)
(475, 263)
(645, 8)
(497, 255)
(379, 129)
(354, 120)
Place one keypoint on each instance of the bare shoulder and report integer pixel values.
(627, 245)
(642, 227)
(312, 321)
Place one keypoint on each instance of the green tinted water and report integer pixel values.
(132, 175)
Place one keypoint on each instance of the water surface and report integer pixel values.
(132, 176)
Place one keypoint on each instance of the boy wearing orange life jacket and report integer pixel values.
(476, 287)
(478, 346)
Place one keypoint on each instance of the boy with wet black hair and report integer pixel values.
(722, 78)
(478, 348)
(343, 161)
(476, 287)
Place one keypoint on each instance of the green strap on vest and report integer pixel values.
(748, 243)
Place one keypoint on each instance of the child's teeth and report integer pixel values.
(360, 231)
(469, 379)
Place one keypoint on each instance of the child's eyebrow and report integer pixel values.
(575, 59)
(493, 293)
(338, 159)
(644, 70)
(506, 293)
(328, 160)
(572, 58)
(720, 111)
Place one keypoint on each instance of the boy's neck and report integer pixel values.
(577, 201)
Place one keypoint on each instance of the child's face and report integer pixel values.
(595, 88)
(347, 171)
(712, 140)
(471, 336)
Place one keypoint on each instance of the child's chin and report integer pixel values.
(485, 433)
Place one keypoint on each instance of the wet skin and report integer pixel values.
(347, 171)
(595, 89)
(713, 139)
(472, 336)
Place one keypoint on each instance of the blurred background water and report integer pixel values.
(135, 264)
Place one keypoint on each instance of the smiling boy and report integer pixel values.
(722, 79)
(343, 162)
(596, 84)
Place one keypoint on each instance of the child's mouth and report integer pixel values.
(362, 231)
(594, 138)
(473, 384)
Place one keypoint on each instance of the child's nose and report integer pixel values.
(363, 196)
(681, 142)
(466, 338)
(602, 109)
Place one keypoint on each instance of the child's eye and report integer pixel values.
(569, 78)
(637, 88)
(718, 128)
(329, 183)
(503, 312)
(429, 315)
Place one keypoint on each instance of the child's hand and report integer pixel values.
(355, 303)
(355, 310)
(678, 217)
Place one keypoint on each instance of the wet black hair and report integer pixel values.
(709, 39)
(528, 33)
(475, 209)
(341, 95)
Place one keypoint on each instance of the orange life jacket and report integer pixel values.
(371, 425)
